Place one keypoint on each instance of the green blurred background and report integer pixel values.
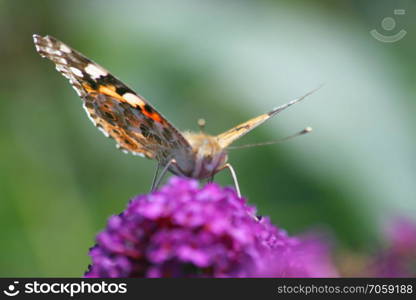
(225, 61)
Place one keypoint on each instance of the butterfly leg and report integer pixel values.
(210, 179)
(155, 177)
(234, 177)
(237, 188)
(162, 174)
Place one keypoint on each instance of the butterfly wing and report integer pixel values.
(114, 108)
(227, 138)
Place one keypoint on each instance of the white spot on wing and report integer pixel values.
(95, 71)
(60, 68)
(65, 48)
(76, 71)
(128, 152)
(133, 99)
(137, 154)
(62, 60)
(53, 51)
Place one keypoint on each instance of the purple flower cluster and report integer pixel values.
(182, 230)
(398, 259)
(302, 256)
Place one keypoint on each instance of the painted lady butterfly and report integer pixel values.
(137, 127)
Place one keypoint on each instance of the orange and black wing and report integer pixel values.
(113, 107)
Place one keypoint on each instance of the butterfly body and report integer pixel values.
(208, 157)
(135, 125)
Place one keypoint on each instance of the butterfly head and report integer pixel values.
(209, 156)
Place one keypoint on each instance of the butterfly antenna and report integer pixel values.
(302, 132)
(284, 106)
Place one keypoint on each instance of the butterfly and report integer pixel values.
(137, 127)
